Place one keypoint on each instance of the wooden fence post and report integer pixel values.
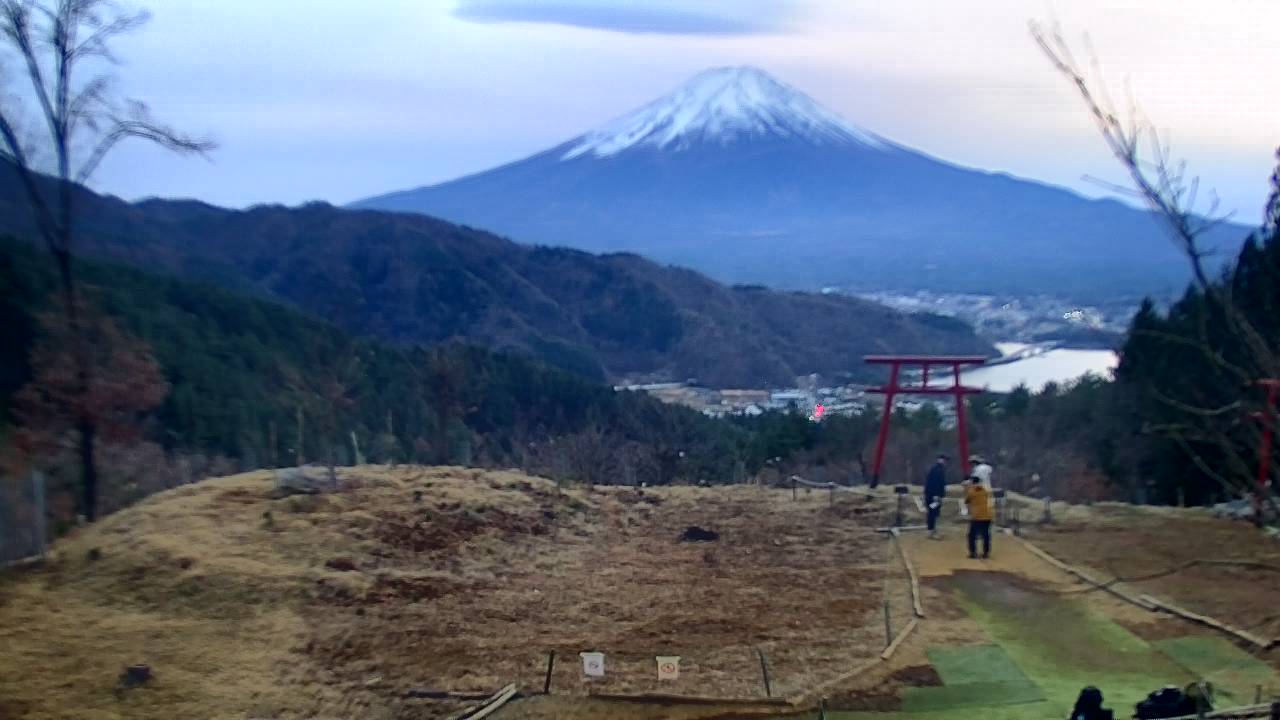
(764, 670)
(551, 663)
(888, 627)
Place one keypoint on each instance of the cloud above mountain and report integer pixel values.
(743, 17)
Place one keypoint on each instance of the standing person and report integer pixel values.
(935, 489)
(978, 468)
(978, 500)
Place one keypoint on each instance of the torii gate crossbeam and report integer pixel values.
(895, 363)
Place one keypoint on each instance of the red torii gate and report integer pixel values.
(893, 388)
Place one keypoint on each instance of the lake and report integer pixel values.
(1058, 365)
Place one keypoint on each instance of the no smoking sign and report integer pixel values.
(668, 667)
(592, 664)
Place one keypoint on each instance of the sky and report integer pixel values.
(320, 100)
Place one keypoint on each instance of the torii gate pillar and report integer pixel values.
(894, 388)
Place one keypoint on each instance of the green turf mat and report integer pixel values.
(974, 694)
(1235, 674)
(976, 664)
(972, 676)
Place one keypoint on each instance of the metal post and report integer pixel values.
(1264, 454)
(1048, 510)
(37, 488)
(891, 390)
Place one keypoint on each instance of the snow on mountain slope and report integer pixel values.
(743, 177)
(719, 106)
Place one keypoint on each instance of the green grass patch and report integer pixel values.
(1235, 674)
(1054, 641)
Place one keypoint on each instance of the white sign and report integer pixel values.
(668, 667)
(592, 664)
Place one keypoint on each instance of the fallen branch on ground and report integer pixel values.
(1210, 622)
(1099, 584)
(426, 694)
(1193, 563)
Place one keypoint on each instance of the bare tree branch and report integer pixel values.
(142, 127)
(1167, 190)
(52, 38)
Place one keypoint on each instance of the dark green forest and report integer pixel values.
(263, 385)
(411, 279)
(252, 383)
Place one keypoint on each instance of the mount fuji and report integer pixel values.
(746, 178)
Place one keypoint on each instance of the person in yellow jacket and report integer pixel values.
(978, 499)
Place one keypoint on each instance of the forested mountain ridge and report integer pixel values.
(407, 278)
(254, 381)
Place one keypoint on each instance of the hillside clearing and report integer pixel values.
(337, 604)
(428, 579)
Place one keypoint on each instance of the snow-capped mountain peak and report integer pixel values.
(719, 106)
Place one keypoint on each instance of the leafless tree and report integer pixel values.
(590, 456)
(1165, 187)
(81, 119)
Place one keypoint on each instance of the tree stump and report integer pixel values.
(135, 675)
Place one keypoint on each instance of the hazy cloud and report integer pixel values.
(745, 17)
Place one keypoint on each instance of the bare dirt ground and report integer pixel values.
(335, 605)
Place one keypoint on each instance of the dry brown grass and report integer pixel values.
(1141, 545)
(241, 614)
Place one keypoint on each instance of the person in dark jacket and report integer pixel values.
(1089, 706)
(935, 489)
